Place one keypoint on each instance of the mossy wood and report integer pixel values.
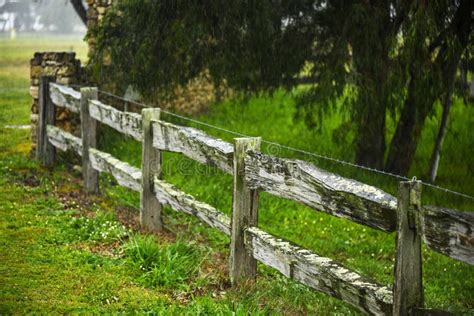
(65, 97)
(125, 122)
(125, 174)
(63, 140)
(89, 140)
(450, 232)
(408, 282)
(194, 144)
(243, 266)
(179, 201)
(324, 191)
(150, 208)
(320, 273)
(45, 152)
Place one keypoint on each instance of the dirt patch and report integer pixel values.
(31, 181)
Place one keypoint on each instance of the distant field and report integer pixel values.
(15, 56)
(39, 226)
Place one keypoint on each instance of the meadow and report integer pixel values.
(68, 252)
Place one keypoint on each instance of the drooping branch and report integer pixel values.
(80, 10)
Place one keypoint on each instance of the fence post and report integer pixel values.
(244, 214)
(45, 152)
(150, 208)
(89, 139)
(408, 287)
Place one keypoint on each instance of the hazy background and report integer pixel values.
(39, 17)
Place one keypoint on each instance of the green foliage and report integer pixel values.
(375, 57)
(162, 265)
(102, 227)
(42, 272)
(156, 45)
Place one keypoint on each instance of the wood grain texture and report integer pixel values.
(125, 122)
(150, 208)
(450, 232)
(194, 144)
(64, 140)
(125, 174)
(243, 267)
(408, 282)
(169, 195)
(45, 152)
(324, 191)
(319, 273)
(89, 140)
(65, 97)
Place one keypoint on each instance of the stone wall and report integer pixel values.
(66, 69)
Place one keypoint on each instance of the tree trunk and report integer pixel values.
(422, 94)
(404, 142)
(80, 10)
(370, 147)
(435, 156)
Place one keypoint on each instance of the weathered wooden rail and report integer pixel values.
(450, 232)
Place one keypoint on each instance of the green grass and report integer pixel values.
(62, 258)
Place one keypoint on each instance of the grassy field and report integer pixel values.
(68, 252)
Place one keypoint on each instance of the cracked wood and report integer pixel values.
(64, 140)
(65, 97)
(125, 122)
(125, 174)
(303, 182)
(194, 144)
(168, 194)
(450, 232)
(319, 273)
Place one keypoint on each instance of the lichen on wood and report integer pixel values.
(320, 273)
(125, 174)
(125, 122)
(450, 232)
(64, 140)
(324, 191)
(194, 144)
(65, 97)
(169, 195)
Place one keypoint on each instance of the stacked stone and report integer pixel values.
(66, 69)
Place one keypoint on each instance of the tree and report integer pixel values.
(369, 54)
(441, 32)
(80, 9)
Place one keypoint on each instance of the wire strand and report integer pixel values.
(339, 161)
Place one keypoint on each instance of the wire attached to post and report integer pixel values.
(301, 151)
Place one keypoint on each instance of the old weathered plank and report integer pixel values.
(320, 273)
(89, 140)
(64, 140)
(322, 190)
(125, 122)
(450, 232)
(194, 144)
(243, 266)
(45, 152)
(408, 282)
(150, 208)
(125, 174)
(169, 195)
(65, 97)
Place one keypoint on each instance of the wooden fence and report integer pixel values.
(450, 232)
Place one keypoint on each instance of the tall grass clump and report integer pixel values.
(162, 265)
